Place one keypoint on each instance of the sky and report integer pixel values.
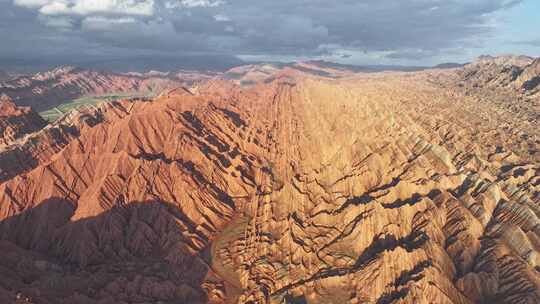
(404, 32)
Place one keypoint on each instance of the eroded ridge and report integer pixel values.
(368, 204)
(383, 188)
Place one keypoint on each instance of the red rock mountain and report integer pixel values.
(371, 188)
(16, 121)
(44, 90)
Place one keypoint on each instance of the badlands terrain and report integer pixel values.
(278, 184)
(47, 89)
(56, 89)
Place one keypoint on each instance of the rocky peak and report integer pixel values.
(56, 72)
(16, 121)
(505, 60)
(7, 107)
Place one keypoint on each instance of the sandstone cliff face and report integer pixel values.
(16, 121)
(383, 188)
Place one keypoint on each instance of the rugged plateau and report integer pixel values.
(303, 187)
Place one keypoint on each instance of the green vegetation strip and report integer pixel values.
(55, 113)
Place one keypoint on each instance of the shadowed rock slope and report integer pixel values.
(381, 188)
(16, 122)
(518, 74)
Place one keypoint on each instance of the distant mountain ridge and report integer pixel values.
(515, 60)
(449, 65)
(519, 74)
(44, 90)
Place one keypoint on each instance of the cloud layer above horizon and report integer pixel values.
(394, 29)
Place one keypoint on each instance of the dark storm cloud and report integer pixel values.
(403, 29)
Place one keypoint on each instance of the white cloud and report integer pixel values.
(172, 4)
(91, 7)
(54, 8)
(31, 3)
(221, 18)
(102, 23)
(120, 7)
